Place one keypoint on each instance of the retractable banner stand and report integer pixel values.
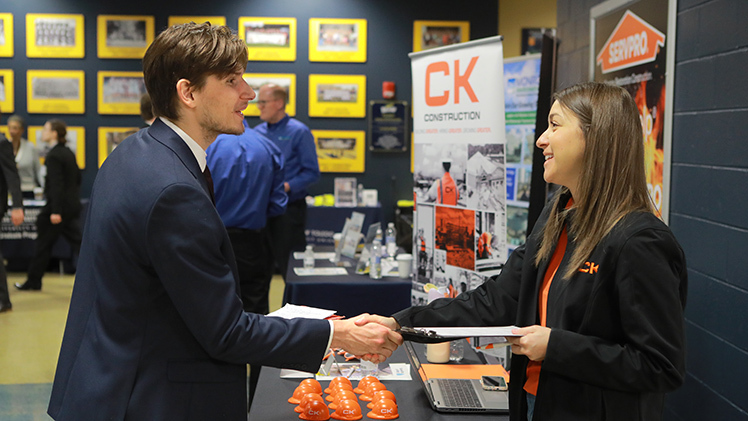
(459, 166)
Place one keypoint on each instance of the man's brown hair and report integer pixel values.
(193, 52)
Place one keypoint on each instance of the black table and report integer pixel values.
(271, 399)
(324, 221)
(350, 295)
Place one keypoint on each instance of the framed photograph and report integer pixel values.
(340, 150)
(76, 142)
(388, 125)
(55, 91)
(286, 80)
(7, 104)
(337, 96)
(213, 20)
(269, 39)
(429, 34)
(120, 36)
(6, 35)
(340, 40)
(110, 137)
(120, 92)
(54, 36)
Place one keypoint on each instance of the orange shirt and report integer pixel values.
(533, 367)
(447, 193)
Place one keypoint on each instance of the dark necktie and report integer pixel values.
(209, 180)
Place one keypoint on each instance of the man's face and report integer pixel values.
(271, 108)
(221, 101)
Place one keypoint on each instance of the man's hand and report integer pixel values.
(365, 318)
(286, 187)
(374, 341)
(16, 216)
(55, 218)
(533, 343)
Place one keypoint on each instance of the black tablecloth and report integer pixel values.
(350, 295)
(271, 399)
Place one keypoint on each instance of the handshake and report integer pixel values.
(368, 336)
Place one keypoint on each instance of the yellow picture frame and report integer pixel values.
(341, 96)
(338, 40)
(213, 20)
(340, 151)
(124, 36)
(54, 35)
(7, 98)
(256, 80)
(269, 39)
(110, 137)
(76, 142)
(120, 92)
(429, 34)
(5, 132)
(55, 91)
(6, 35)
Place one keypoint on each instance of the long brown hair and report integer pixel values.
(612, 182)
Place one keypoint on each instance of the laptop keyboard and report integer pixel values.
(459, 393)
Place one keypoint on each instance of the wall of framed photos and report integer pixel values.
(111, 64)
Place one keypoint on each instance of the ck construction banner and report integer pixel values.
(458, 165)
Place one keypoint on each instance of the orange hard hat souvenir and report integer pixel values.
(370, 389)
(379, 395)
(305, 400)
(299, 393)
(361, 388)
(385, 409)
(338, 380)
(348, 409)
(313, 383)
(337, 387)
(341, 395)
(315, 411)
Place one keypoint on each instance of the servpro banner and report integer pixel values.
(458, 165)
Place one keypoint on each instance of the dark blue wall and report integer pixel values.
(709, 192)
(390, 39)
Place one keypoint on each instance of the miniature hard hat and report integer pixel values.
(315, 411)
(348, 409)
(379, 395)
(336, 388)
(314, 383)
(306, 399)
(361, 388)
(300, 391)
(384, 410)
(338, 380)
(370, 389)
(342, 395)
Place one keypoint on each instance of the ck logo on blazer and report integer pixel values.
(589, 267)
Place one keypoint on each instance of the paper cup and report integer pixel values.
(404, 265)
(336, 238)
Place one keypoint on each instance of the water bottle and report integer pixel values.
(309, 257)
(378, 235)
(375, 262)
(360, 194)
(390, 240)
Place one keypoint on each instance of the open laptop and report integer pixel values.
(457, 395)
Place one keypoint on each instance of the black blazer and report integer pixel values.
(156, 329)
(617, 342)
(62, 185)
(9, 179)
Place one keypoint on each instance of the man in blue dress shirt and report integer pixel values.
(296, 143)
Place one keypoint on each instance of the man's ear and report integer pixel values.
(185, 93)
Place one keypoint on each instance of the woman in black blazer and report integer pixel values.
(60, 215)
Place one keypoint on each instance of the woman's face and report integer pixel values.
(48, 134)
(563, 148)
(15, 129)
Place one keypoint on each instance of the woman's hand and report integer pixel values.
(533, 343)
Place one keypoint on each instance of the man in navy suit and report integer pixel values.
(156, 328)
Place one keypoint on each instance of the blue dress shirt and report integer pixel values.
(247, 172)
(296, 143)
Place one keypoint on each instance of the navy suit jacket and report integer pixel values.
(156, 329)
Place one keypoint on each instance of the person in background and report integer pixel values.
(10, 184)
(296, 143)
(27, 157)
(60, 215)
(444, 190)
(146, 110)
(156, 329)
(247, 172)
(599, 288)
